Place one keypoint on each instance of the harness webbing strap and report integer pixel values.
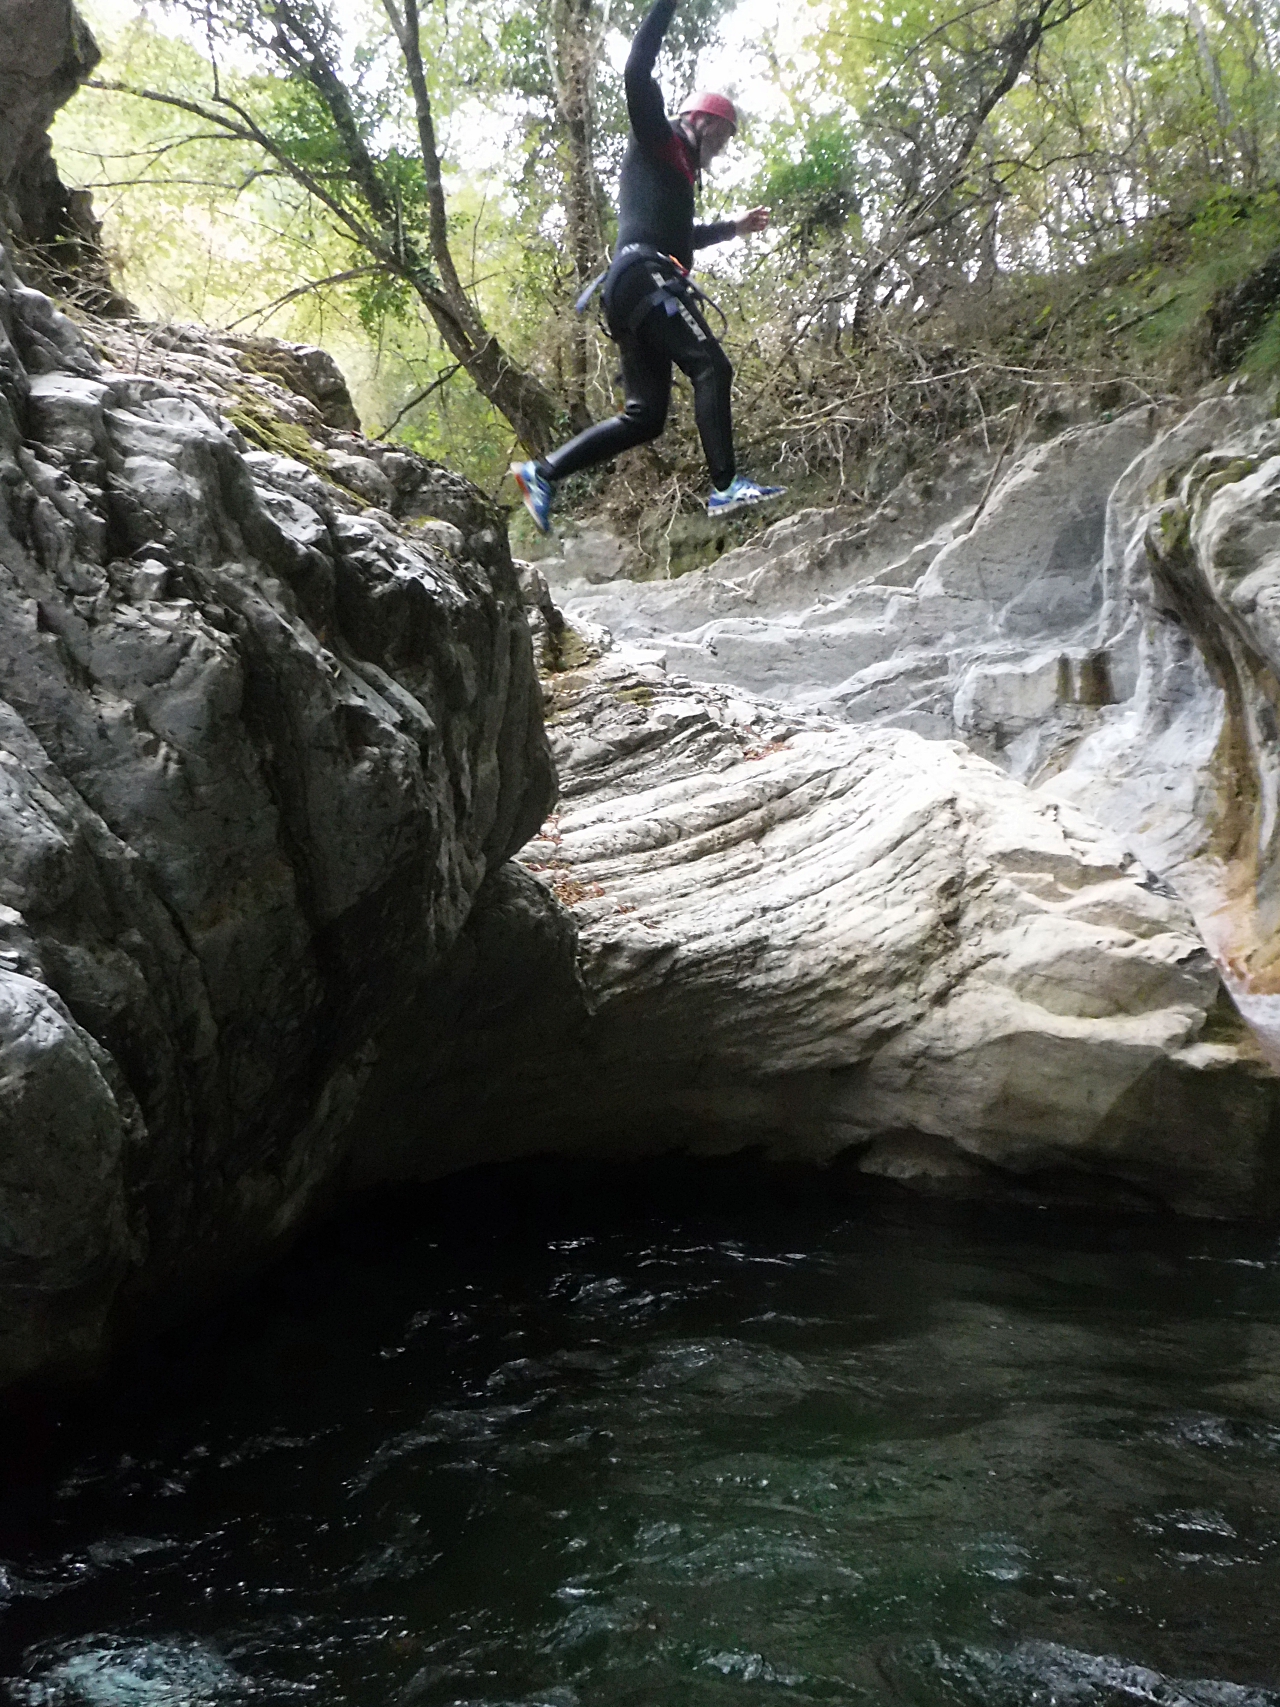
(677, 290)
(584, 301)
(663, 294)
(683, 290)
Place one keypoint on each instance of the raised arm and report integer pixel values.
(645, 106)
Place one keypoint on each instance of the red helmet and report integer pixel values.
(715, 106)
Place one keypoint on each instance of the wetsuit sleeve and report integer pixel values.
(645, 106)
(719, 232)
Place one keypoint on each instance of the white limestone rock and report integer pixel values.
(1187, 768)
(1107, 630)
(919, 616)
(826, 941)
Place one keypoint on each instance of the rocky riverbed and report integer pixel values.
(273, 729)
(938, 836)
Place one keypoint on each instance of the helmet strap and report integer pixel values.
(693, 141)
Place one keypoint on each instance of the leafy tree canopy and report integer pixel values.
(425, 187)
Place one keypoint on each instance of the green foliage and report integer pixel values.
(1263, 356)
(810, 178)
(1089, 210)
(187, 216)
(380, 298)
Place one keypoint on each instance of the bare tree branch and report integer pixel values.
(421, 397)
(304, 290)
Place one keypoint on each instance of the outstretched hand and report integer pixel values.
(756, 220)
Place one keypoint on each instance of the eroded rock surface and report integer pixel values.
(955, 608)
(260, 748)
(1188, 766)
(826, 940)
(46, 52)
(1103, 630)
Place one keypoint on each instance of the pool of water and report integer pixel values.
(696, 1437)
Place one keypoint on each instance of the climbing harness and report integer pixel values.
(677, 295)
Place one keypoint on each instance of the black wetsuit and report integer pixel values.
(655, 213)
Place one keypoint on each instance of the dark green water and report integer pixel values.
(605, 1443)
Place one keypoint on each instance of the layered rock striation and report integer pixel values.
(966, 605)
(1094, 618)
(1187, 766)
(1100, 621)
(826, 942)
(261, 745)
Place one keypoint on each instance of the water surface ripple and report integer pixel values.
(596, 1444)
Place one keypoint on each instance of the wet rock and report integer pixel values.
(941, 611)
(817, 940)
(260, 748)
(67, 1118)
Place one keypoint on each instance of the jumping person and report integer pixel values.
(650, 305)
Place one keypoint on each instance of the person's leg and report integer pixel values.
(695, 349)
(690, 343)
(712, 374)
(646, 378)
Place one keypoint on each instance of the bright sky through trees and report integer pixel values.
(922, 165)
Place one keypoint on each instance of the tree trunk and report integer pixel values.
(574, 38)
(365, 204)
(515, 392)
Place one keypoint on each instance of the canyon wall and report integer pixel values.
(936, 842)
(261, 745)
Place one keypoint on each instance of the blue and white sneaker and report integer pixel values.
(740, 494)
(536, 491)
